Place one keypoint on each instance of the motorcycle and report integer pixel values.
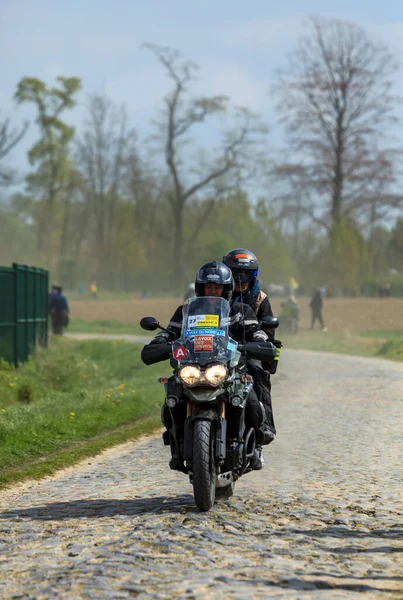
(206, 399)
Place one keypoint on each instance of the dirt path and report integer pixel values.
(322, 520)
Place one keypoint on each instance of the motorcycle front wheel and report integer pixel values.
(204, 471)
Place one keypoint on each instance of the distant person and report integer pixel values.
(316, 305)
(289, 316)
(51, 294)
(93, 289)
(59, 311)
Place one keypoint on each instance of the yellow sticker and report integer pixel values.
(203, 321)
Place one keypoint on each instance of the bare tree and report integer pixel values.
(335, 98)
(9, 138)
(103, 153)
(192, 174)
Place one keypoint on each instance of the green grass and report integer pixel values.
(325, 341)
(366, 343)
(384, 334)
(72, 401)
(374, 343)
(105, 326)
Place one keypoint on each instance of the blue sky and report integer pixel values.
(237, 45)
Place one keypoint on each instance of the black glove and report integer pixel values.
(163, 338)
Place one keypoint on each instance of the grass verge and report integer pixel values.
(377, 343)
(105, 326)
(73, 401)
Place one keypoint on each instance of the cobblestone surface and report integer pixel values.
(323, 519)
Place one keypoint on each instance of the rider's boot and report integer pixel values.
(257, 462)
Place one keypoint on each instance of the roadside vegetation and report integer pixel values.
(381, 343)
(110, 326)
(377, 343)
(72, 401)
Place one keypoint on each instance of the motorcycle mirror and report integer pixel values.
(149, 323)
(269, 323)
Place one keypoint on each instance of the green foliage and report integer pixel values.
(392, 349)
(17, 240)
(69, 394)
(105, 326)
(342, 260)
(233, 223)
(105, 214)
(396, 244)
(51, 152)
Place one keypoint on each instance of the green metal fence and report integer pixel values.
(23, 311)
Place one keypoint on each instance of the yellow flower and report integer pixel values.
(72, 414)
(108, 395)
(3, 410)
(11, 384)
(121, 386)
(133, 391)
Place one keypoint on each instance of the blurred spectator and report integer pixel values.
(51, 294)
(289, 316)
(59, 311)
(316, 305)
(385, 290)
(93, 289)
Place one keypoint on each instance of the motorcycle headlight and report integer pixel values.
(189, 375)
(216, 374)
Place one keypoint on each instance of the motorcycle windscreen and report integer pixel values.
(205, 332)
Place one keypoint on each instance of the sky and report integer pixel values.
(237, 44)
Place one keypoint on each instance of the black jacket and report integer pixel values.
(259, 303)
(240, 315)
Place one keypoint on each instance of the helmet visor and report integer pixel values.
(244, 276)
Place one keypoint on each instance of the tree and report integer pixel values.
(396, 245)
(344, 261)
(51, 151)
(105, 149)
(335, 98)
(235, 161)
(9, 138)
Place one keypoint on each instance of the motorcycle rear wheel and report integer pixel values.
(204, 472)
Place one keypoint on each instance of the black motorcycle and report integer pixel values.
(204, 409)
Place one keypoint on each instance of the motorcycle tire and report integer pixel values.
(204, 472)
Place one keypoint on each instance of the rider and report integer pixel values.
(245, 268)
(215, 279)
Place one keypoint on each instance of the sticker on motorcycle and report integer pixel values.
(203, 343)
(193, 332)
(179, 353)
(196, 321)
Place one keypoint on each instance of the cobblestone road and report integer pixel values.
(323, 519)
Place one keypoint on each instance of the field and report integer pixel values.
(355, 315)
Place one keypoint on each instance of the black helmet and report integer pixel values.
(241, 261)
(215, 272)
